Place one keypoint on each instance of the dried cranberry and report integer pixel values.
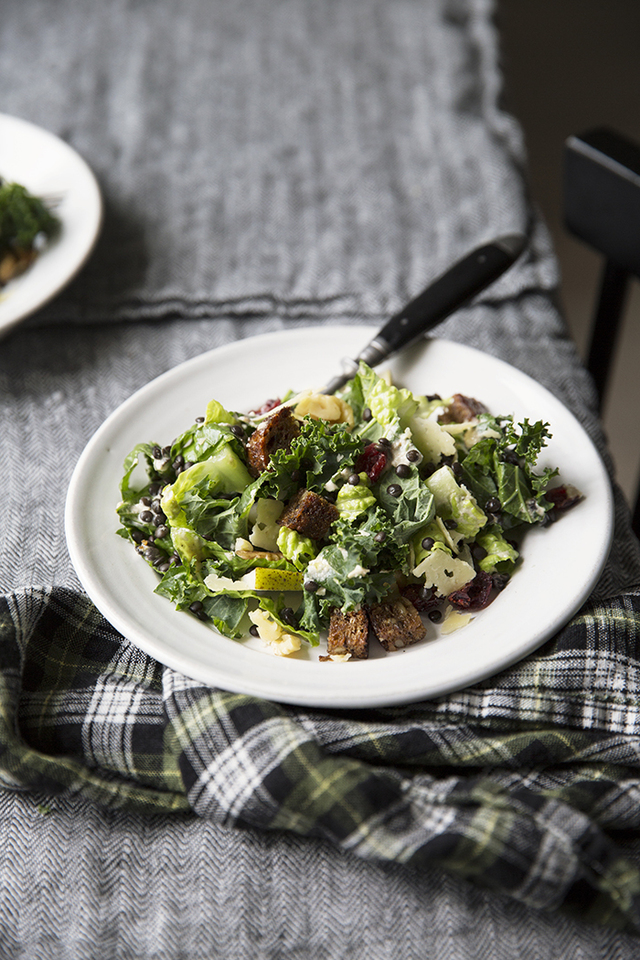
(267, 406)
(423, 598)
(562, 497)
(475, 595)
(371, 461)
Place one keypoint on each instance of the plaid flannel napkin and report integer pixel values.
(526, 784)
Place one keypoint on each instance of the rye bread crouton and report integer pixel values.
(309, 514)
(396, 623)
(276, 433)
(349, 633)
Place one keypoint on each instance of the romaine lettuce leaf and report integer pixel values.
(500, 556)
(296, 548)
(352, 500)
(128, 490)
(385, 401)
(453, 502)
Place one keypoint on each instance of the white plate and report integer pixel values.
(48, 167)
(561, 562)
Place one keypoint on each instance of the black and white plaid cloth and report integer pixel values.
(268, 166)
(522, 783)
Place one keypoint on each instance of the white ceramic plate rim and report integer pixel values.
(48, 167)
(561, 563)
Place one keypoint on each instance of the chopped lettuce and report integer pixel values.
(501, 556)
(352, 500)
(454, 503)
(296, 548)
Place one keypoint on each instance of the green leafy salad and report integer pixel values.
(26, 224)
(357, 516)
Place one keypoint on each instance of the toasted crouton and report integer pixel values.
(309, 514)
(276, 433)
(396, 623)
(349, 633)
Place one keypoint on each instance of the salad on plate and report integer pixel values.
(343, 519)
(27, 224)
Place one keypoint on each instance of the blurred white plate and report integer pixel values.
(561, 562)
(48, 167)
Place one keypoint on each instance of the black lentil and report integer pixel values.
(394, 490)
(428, 543)
(403, 470)
(288, 616)
(478, 552)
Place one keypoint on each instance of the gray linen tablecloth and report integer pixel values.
(264, 166)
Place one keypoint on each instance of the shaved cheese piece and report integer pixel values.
(454, 620)
(443, 572)
(278, 640)
(265, 531)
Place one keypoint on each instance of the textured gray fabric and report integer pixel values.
(130, 887)
(262, 158)
(264, 165)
